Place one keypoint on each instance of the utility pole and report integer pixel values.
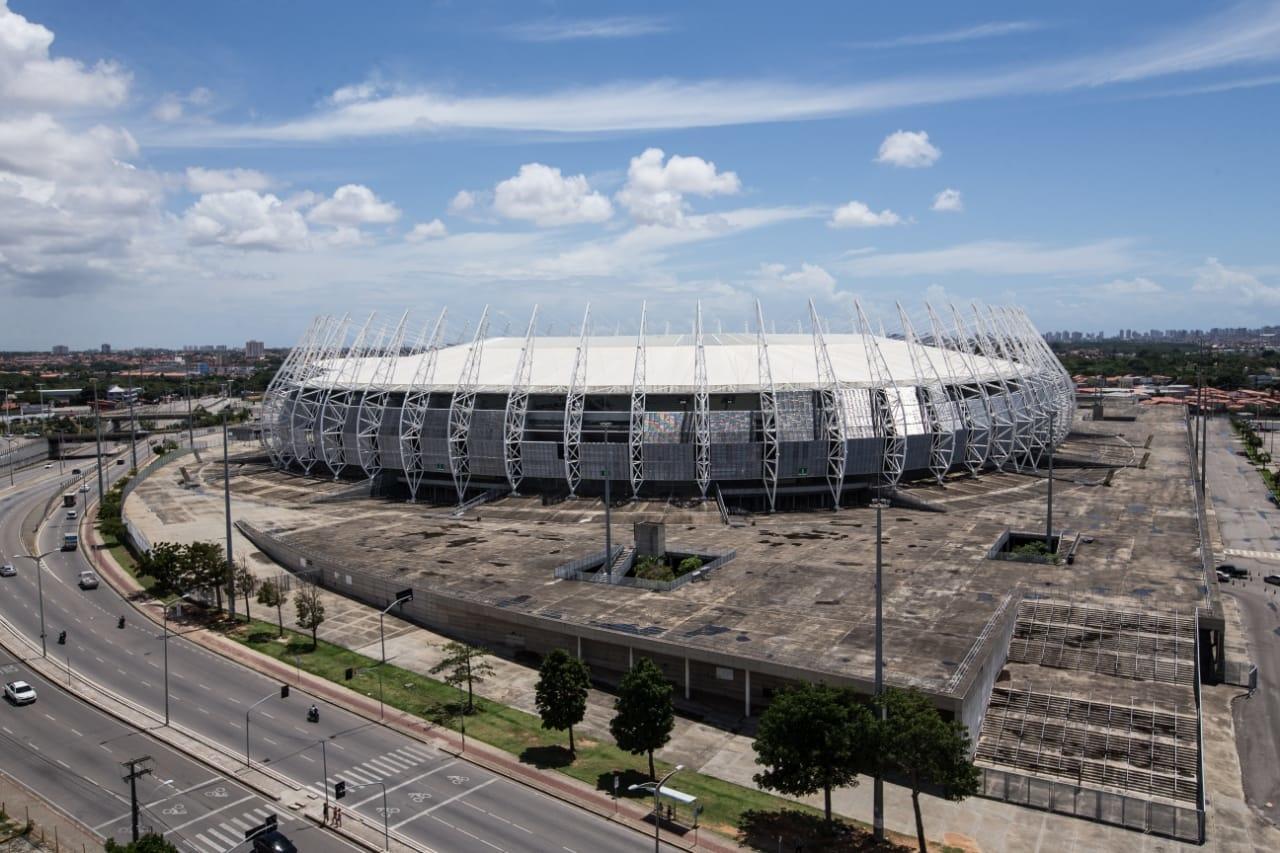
(135, 772)
(97, 426)
(608, 522)
(226, 503)
(191, 434)
(878, 782)
(133, 430)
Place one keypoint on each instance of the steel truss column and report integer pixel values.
(305, 368)
(373, 403)
(1040, 405)
(635, 429)
(701, 408)
(338, 400)
(574, 403)
(964, 389)
(1024, 454)
(311, 395)
(1004, 427)
(886, 408)
(768, 413)
(461, 407)
(831, 400)
(278, 394)
(513, 419)
(933, 401)
(1064, 389)
(413, 412)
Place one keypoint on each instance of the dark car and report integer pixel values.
(1233, 570)
(1273, 579)
(273, 842)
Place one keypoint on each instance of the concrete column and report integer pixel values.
(686, 678)
(746, 693)
(579, 647)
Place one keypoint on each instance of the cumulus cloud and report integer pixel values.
(200, 180)
(29, 77)
(423, 231)
(1233, 284)
(655, 191)
(463, 202)
(806, 281)
(855, 214)
(245, 219)
(910, 149)
(541, 195)
(1138, 286)
(948, 201)
(354, 205)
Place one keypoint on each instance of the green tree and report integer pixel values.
(927, 750)
(813, 738)
(463, 664)
(271, 595)
(644, 713)
(246, 584)
(561, 692)
(310, 610)
(164, 562)
(149, 843)
(205, 567)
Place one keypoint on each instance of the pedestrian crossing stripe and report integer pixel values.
(1255, 555)
(229, 833)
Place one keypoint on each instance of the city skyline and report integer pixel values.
(1106, 169)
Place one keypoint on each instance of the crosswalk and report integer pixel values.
(386, 765)
(229, 831)
(1255, 555)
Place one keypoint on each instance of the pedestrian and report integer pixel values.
(326, 814)
(337, 816)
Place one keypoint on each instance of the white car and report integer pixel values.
(48, 465)
(88, 580)
(19, 693)
(7, 570)
(85, 488)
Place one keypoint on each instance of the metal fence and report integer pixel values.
(1185, 823)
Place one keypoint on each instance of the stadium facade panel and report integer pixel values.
(762, 420)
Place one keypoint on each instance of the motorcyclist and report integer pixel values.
(313, 714)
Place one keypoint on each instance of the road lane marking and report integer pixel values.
(402, 784)
(441, 805)
(195, 787)
(208, 814)
(76, 733)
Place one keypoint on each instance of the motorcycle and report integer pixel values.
(313, 714)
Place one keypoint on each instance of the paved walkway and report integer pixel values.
(977, 824)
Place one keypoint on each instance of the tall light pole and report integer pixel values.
(97, 425)
(133, 430)
(878, 781)
(191, 434)
(657, 786)
(608, 521)
(226, 504)
(1048, 520)
(38, 559)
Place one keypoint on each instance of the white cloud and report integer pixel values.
(423, 231)
(463, 202)
(200, 180)
(247, 220)
(172, 106)
(993, 29)
(908, 149)
(855, 214)
(354, 205)
(29, 77)
(948, 201)
(345, 236)
(1245, 35)
(1138, 286)
(1233, 284)
(587, 28)
(1000, 257)
(654, 192)
(540, 194)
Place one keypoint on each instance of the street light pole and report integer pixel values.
(226, 503)
(97, 426)
(1048, 521)
(191, 435)
(657, 815)
(133, 430)
(38, 559)
(878, 781)
(608, 521)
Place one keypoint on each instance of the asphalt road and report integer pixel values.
(71, 755)
(433, 798)
(1249, 522)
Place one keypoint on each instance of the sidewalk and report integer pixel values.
(51, 829)
(166, 511)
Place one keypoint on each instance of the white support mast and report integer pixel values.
(574, 403)
(413, 412)
(701, 408)
(886, 408)
(1015, 415)
(831, 399)
(1064, 389)
(513, 419)
(373, 403)
(1036, 397)
(294, 429)
(1022, 408)
(969, 393)
(931, 396)
(338, 401)
(311, 395)
(276, 399)
(635, 430)
(768, 413)
(462, 406)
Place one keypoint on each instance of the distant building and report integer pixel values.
(116, 394)
(61, 349)
(254, 349)
(105, 349)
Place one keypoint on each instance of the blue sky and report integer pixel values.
(178, 173)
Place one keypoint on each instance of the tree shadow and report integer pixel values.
(626, 778)
(803, 831)
(258, 637)
(547, 757)
(444, 713)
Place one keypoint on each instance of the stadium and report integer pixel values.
(759, 421)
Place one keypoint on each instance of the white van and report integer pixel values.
(71, 515)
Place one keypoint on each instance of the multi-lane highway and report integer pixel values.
(433, 799)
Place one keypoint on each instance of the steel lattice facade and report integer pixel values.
(758, 417)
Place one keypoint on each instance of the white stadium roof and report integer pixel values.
(732, 362)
